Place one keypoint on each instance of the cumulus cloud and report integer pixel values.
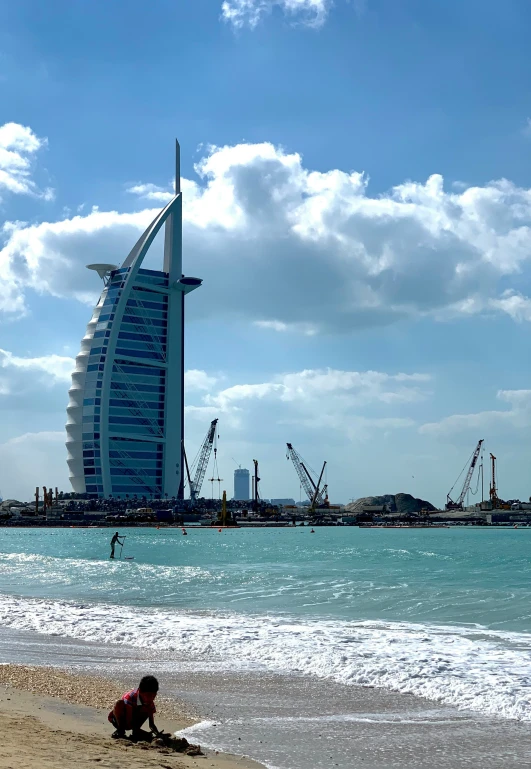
(18, 145)
(294, 249)
(242, 13)
(197, 380)
(151, 192)
(348, 402)
(50, 257)
(50, 368)
(514, 304)
(516, 417)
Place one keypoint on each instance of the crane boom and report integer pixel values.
(450, 504)
(317, 488)
(310, 488)
(204, 457)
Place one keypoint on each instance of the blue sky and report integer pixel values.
(357, 200)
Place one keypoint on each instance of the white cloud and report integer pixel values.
(347, 402)
(517, 417)
(18, 144)
(241, 13)
(308, 329)
(151, 192)
(52, 368)
(50, 257)
(526, 130)
(196, 380)
(293, 249)
(46, 436)
(43, 453)
(514, 304)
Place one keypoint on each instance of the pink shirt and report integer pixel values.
(134, 698)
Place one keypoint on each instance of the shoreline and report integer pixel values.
(284, 722)
(55, 717)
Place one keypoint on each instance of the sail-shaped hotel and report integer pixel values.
(125, 424)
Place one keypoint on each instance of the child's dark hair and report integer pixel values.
(149, 684)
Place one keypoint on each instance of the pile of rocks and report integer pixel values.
(177, 744)
(403, 504)
(165, 743)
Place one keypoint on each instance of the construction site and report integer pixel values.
(478, 479)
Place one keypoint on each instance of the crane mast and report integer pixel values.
(256, 481)
(493, 491)
(450, 504)
(204, 457)
(312, 491)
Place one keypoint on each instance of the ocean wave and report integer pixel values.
(49, 568)
(468, 667)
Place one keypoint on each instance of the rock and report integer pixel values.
(179, 744)
(367, 502)
(401, 504)
(405, 503)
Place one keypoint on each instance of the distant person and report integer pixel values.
(134, 708)
(114, 540)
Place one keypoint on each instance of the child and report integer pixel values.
(134, 708)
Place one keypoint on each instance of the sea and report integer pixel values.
(299, 649)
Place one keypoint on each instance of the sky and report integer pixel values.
(357, 200)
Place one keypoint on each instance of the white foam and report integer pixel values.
(470, 668)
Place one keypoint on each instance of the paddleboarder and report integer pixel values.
(114, 540)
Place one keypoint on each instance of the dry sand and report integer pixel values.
(58, 720)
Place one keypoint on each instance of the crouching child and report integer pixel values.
(134, 708)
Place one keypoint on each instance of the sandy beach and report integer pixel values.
(55, 719)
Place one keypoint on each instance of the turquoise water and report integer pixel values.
(443, 613)
(460, 575)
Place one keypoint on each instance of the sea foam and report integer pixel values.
(469, 667)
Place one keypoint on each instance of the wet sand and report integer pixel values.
(298, 721)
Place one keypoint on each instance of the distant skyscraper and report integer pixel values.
(241, 485)
(126, 411)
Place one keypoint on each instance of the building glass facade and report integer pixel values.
(125, 415)
(242, 484)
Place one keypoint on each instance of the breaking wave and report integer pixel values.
(468, 667)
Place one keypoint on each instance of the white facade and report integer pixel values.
(125, 423)
(241, 485)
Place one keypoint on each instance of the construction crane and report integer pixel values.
(215, 469)
(256, 480)
(202, 463)
(493, 491)
(458, 504)
(317, 496)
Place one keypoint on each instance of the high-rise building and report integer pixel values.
(125, 423)
(241, 485)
